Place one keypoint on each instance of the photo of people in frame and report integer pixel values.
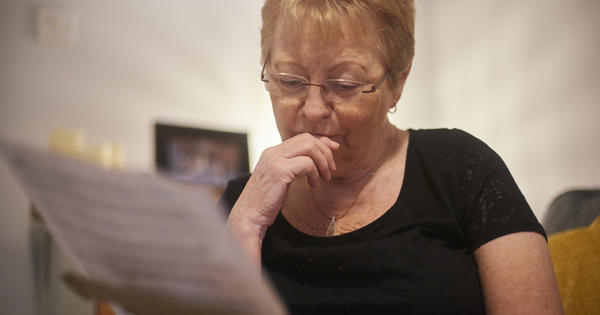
(200, 156)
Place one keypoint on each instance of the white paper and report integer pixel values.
(140, 231)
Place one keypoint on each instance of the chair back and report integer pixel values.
(572, 209)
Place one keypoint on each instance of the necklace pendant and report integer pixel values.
(331, 228)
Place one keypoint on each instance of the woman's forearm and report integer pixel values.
(248, 234)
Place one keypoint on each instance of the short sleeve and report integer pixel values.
(232, 192)
(490, 203)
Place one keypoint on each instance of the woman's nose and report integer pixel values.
(316, 106)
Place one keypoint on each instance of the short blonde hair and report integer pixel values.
(393, 21)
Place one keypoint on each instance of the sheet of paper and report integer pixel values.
(140, 232)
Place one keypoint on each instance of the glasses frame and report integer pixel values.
(308, 83)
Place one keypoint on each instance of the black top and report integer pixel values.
(417, 258)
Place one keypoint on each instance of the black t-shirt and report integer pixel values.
(417, 258)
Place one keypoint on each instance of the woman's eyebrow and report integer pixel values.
(348, 66)
(290, 67)
(355, 70)
(289, 63)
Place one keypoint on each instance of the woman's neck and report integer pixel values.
(344, 195)
(362, 162)
(343, 190)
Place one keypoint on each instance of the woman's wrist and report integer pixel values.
(248, 232)
(246, 223)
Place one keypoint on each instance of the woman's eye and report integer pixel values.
(290, 83)
(344, 86)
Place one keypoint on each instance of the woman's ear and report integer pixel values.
(401, 81)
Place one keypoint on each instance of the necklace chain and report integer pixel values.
(331, 228)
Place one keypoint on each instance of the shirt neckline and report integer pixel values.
(289, 230)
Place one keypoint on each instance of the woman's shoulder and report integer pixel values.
(445, 137)
(485, 196)
(448, 145)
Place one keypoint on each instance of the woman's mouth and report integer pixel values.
(320, 134)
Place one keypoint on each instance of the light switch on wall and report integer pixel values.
(56, 25)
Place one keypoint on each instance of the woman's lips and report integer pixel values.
(333, 137)
(319, 135)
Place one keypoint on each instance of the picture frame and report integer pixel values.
(200, 156)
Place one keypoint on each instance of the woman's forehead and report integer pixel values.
(308, 40)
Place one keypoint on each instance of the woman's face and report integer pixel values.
(358, 126)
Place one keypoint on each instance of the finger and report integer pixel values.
(318, 151)
(323, 144)
(323, 158)
(326, 146)
(304, 165)
(332, 145)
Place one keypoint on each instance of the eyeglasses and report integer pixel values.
(334, 90)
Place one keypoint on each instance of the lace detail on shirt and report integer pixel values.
(485, 190)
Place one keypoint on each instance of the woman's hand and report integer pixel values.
(262, 198)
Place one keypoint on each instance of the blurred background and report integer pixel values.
(521, 75)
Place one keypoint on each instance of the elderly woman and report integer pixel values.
(350, 214)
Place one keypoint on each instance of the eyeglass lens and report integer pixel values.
(296, 86)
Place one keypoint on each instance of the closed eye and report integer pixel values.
(288, 81)
(344, 88)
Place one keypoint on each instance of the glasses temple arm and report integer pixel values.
(378, 84)
(262, 72)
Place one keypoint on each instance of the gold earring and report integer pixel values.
(393, 109)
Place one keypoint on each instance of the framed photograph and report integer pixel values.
(200, 156)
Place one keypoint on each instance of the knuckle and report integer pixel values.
(314, 153)
(278, 165)
(306, 135)
(267, 152)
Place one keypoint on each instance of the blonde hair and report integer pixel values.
(393, 20)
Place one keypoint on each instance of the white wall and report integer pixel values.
(134, 61)
(185, 61)
(521, 75)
